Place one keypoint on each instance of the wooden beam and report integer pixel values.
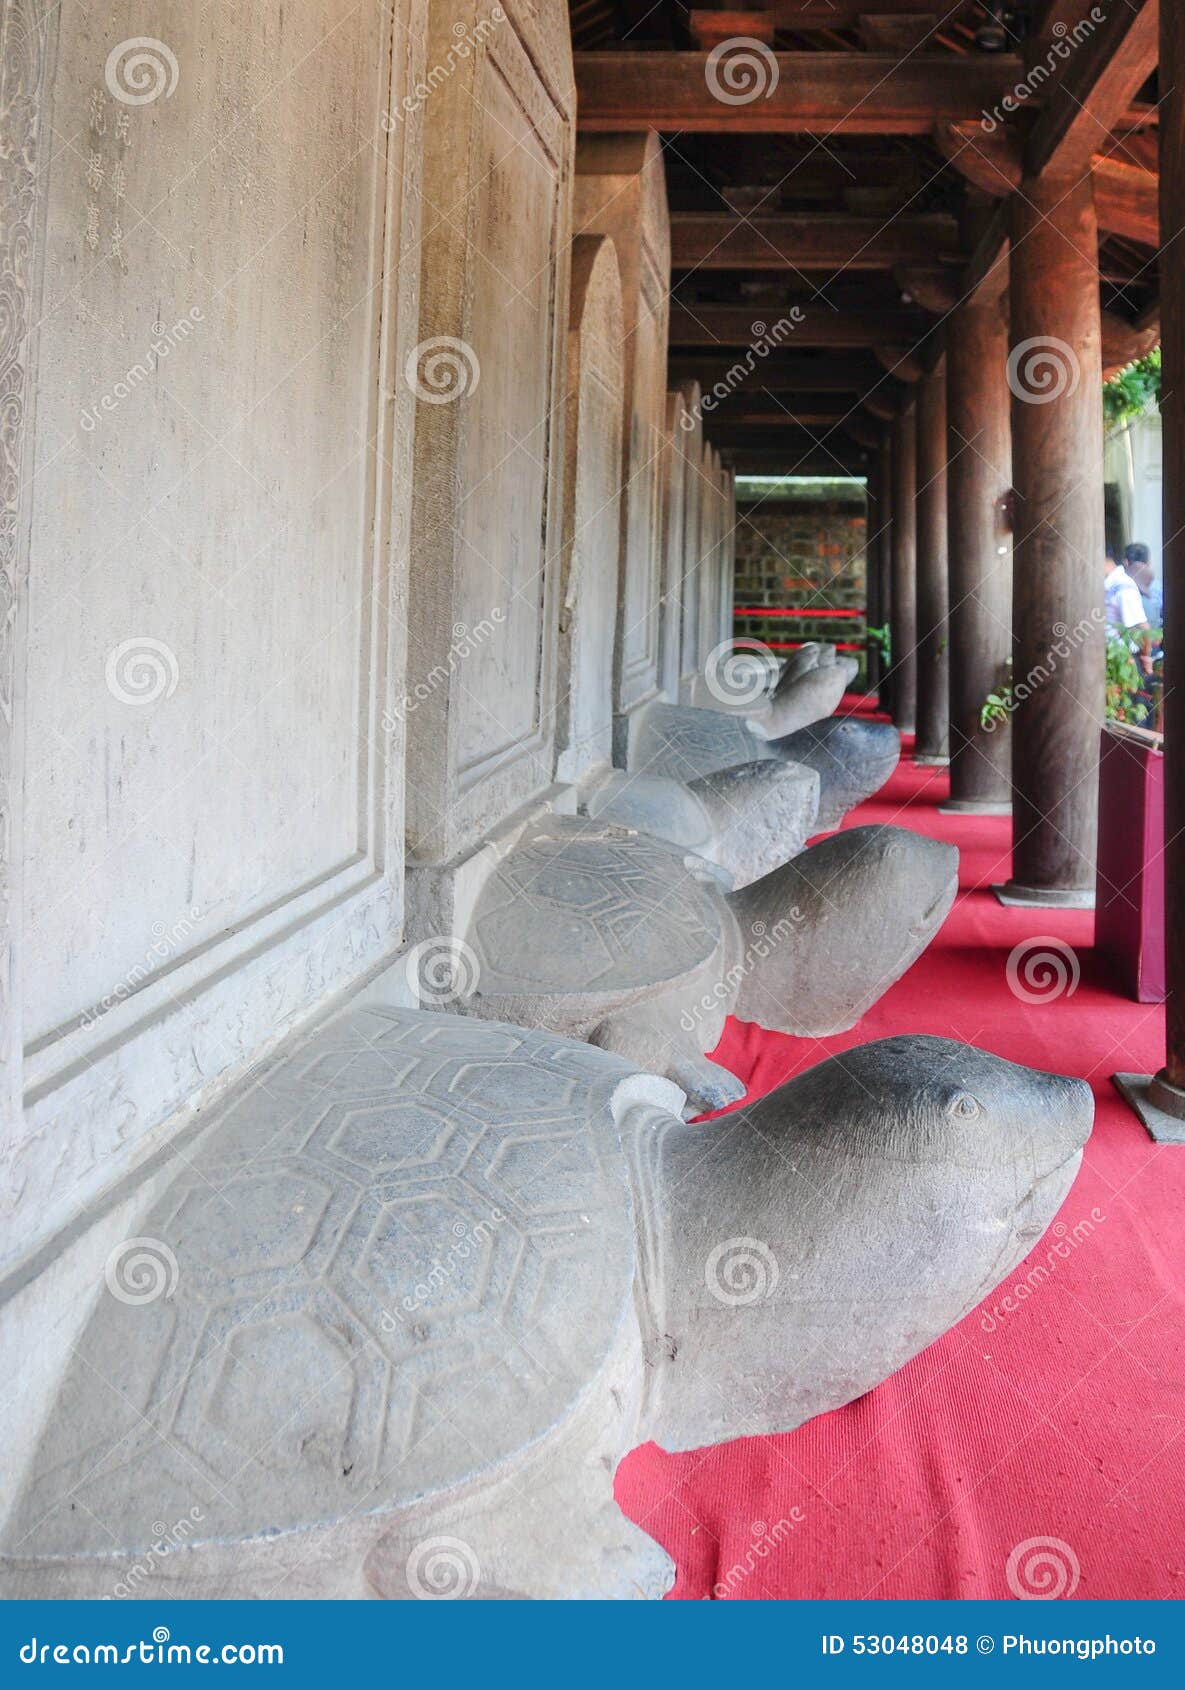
(710, 28)
(1100, 77)
(708, 241)
(723, 424)
(782, 371)
(992, 162)
(933, 289)
(1127, 200)
(743, 325)
(1124, 342)
(836, 14)
(851, 93)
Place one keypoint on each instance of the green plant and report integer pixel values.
(880, 639)
(1125, 678)
(1132, 391)
(1125, 681)
(997, 706)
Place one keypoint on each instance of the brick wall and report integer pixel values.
(802, 556)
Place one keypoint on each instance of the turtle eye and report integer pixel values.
(961, 1106)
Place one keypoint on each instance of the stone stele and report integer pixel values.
(395, 1320)
(600, 932)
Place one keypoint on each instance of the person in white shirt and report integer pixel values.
(1125, 609)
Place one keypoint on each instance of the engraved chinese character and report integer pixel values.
(94, 172)
(98, 113)
(92, 227)
(123, 127)
(119, 180)
(117, 251)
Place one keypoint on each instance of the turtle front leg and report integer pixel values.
(667, 1036)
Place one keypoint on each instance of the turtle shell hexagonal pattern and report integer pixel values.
(683, 742)
(586, 906)
(392, 1264)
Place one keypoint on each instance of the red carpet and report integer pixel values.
(1061, 1417)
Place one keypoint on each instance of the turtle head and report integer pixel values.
(825, 936)
(854, 759)
(817, 1240)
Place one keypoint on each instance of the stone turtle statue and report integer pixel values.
(747, 820)
(852, 757)
(781, 709)
(388, 1328)
(602, 933)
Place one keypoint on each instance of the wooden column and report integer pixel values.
(903, 616)
(979, 478)
(884, 563)
(872, 576)
(933, 705)
(1055, 372)
(1168, 1088)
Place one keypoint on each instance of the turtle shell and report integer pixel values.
(684, 742)
(587, 908)
(392, 1264)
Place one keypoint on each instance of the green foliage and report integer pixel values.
(879, 639)
(1124, 681)
(1132, 391)
(997, 706)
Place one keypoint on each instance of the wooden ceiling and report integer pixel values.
(867, 189)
